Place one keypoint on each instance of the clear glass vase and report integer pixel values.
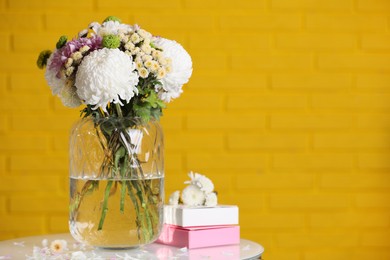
(116, 181)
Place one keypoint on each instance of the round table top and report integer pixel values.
(43, 247)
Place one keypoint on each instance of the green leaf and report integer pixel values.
(142, 111)
(152, 99)
(156, 113)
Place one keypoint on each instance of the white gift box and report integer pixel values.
(186, 216)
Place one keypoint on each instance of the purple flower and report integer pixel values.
(61, 55)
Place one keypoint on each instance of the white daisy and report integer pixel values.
(58, 246)
(143, 72)
(135, 38)
(192, 196)
(106, 75)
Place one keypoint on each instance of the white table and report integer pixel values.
(23, 248)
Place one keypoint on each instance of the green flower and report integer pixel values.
(111, 41)
(112, 18)
(61, 42)
(42, 58)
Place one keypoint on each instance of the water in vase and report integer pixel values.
(116, 213)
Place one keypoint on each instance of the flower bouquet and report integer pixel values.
(124, 76)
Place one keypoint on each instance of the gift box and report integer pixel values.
(186, 216)
(198, 237)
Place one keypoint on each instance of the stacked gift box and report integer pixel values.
(197, 227)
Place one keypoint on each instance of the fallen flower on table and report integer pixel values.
(58, 246)
(57, 249)
(19, 244)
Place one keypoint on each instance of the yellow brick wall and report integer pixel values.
(287, 111)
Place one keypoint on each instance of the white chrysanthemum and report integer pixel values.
(174, 198)
(211, 199)
(204, 183)
(110, 27)
(106, 75)
(173, 82)
(56, 84)
(58, 246)
(192, 196)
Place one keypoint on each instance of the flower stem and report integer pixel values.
(105, 204)
(135, 203)
(123, 188)
(88, 187)
(118, 110)
(123, 194)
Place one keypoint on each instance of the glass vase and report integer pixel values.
(116, 181)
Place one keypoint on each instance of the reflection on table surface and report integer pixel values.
(63, 246)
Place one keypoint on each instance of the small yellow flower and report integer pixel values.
(146, 41)
(69, 71)
(143, 73)
(135, 51)
(129, 45)
(161, 73)
(135, 38)
(144, 34)
(138, 58)
(146, 48)
(84, 49)
(139, 64)
(157, 55)
(146, 57)
(76, 56)
(155, 66)
(168, 69)
(148, 64)
(68, 62)
(124, 37)
(168, 61)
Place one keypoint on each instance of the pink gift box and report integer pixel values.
(197, 237)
